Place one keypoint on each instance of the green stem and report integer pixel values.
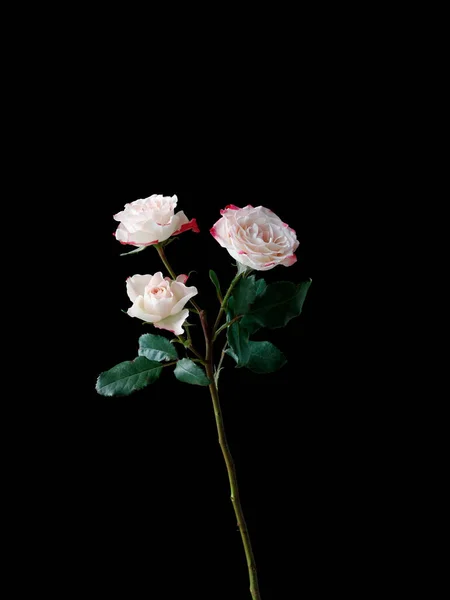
(231, 469)
(224, 302)
(222, 356)
(163, 257)
(225, 325)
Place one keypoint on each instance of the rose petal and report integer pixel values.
(182, 278)
(159, 306)
(183, 294)
(156, 279)
(174, 322)
(136, 286)
(138, 238)
(219, 232)
(183, 224)
(137, 310)
(289, 260)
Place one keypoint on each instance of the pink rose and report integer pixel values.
(256, 237)
(160, 300)
(151, 220)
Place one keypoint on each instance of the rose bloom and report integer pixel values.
(151, 220)
(256, 237)
(160, 300)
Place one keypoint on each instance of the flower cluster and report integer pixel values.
(254, 236)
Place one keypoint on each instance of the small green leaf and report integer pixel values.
(265, 357)
(276, 306)
(128, 377)
(230, 352)
(215, 280)
(156, 347)
(139, 249)
(188, 372)
(169, 241)
(244, 295)
(238, 341)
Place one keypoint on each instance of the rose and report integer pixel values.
(256, 237)
(151, 220)
(160, 300)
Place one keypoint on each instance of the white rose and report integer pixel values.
(160, 300)
(151, 220)
(256, 237)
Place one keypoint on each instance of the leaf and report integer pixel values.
(128, 377)
(134, 251)
(278, 304)
(188, 372)
(265, 357)
(244, 295)
(238, 341)
(230, 309)
(215, 280)
(260, 287)
(230, 352)
(169, 241)
(156, 347)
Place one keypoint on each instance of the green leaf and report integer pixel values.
(230, 309)
(139, 249)
(128, 377)
(215, 280)
(278, 304)
(244, 295)
(156, 347)
(260, 287)
(265, 357)
(238, 341)
(230, 352)
(188, 372)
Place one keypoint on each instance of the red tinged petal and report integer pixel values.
(131, 243)
(229, 207)
(290, 228)
(290, 260)
(191, 225)
(213, 232)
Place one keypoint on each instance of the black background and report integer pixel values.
(142, 478)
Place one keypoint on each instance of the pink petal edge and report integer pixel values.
(191, 225)
(229, 207)
(131, 243)
(290, 260)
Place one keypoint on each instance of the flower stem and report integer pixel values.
(219, 366)
(225, 325)
(166, 263)
(231, 469)
(163, 257)
(224, 302)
